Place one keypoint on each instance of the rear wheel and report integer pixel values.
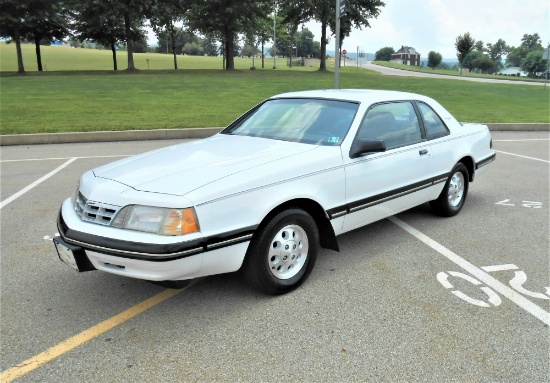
(283, 252)
(453, 196)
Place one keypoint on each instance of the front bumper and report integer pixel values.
(224, 260)
(175, 260)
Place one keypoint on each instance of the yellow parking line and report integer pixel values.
(79, 339)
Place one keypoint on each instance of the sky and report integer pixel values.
(434, 25)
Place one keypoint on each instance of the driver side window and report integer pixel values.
(395, 123)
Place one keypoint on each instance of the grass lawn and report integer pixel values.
(450, 72)
(55, 59)
(83, 100)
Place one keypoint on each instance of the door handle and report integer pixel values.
(423, 151)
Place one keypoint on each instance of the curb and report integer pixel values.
(106, 136)
(174, 134)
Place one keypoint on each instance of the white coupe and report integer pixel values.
(267, 192)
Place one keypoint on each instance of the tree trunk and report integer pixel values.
(129, 42)
(229, 50)
(173, 35)
(20, 67)
(263, 54)
(290, 57)
(323, 65)
(223, 53)
(113, 50)
(38, 54)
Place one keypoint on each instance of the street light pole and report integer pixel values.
(274, 36)
(546, 56)
(337, 47)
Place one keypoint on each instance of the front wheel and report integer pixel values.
(283, 252)
(453, 196)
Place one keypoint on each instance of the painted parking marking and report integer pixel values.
(516, 282)
(494, 299)
(478, 273)
(490, 269)
(528, 204)
(87, 335)
(526, 139)
(35, 183)
(519, 155)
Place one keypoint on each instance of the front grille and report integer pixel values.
(95, 212)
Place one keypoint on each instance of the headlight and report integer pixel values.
(157, 220)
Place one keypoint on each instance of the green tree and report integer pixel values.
(384, 54)
(306, 44)
(464, 44)
(97, 21)
(191, 49)
(227, 18)
(264, 32)
(528, 44)
(357, 14)
(46, 20)
(533, 63)
(13, 16)
(164, 15)
(531, 41)
(133, 13)
(208, 45)
(479, 46)
(485, 64)
(496, 51)
(434, 59)
(164, 43)
(470, 59)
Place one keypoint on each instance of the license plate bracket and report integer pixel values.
(73, 256)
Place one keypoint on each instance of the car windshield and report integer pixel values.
(309, 121)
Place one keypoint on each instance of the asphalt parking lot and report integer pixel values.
(411, 298)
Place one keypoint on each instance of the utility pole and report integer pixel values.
(546, 56)
(274, 36)
(340, 10)
(336, 47)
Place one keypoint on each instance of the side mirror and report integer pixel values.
(367, 145)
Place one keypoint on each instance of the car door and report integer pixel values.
(438, 137)
(382, 184)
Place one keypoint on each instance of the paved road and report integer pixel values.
(391, 306)
(399, 72)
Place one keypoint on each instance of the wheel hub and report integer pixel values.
(456, 189)
(288, 252)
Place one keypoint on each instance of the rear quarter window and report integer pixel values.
(434, 125)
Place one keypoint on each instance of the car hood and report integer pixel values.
(180, 169)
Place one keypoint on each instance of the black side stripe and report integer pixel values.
(384, 197)
(486, 161)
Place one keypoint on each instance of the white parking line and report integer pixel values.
(65, 158)
(519, 155)
(527, 139)
(35, 183)
(478, 273)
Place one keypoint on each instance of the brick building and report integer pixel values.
(407, 56)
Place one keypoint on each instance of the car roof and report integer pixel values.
(357, 95)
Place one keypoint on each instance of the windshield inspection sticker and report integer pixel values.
(334, 139)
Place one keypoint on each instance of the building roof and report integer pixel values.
(405, 49)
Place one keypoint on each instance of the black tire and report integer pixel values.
(452, 197)
(282, 253)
